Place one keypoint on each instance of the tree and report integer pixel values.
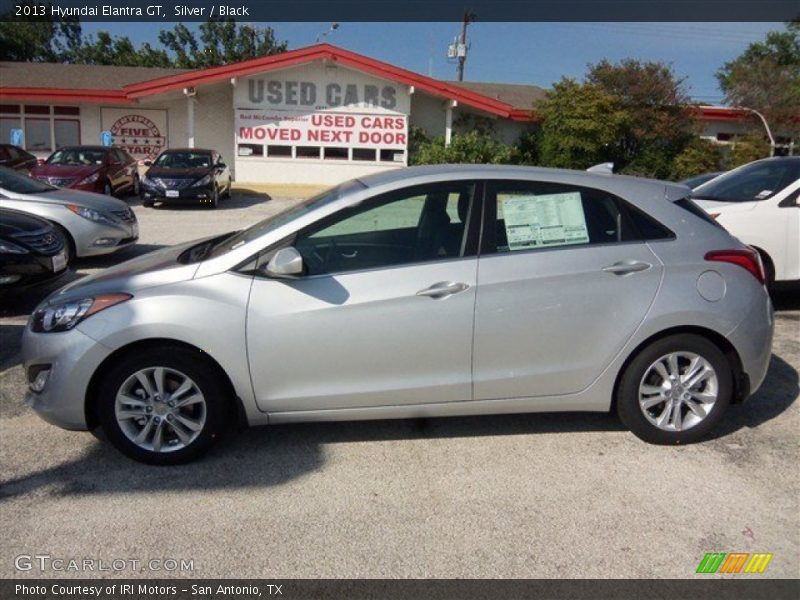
(766, 77)
(38, 40)
(108, 50)
(222, 41)
(657, 125)
(747, 149)
(581, 124)
(700, 156)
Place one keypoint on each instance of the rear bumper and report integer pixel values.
(752, 339)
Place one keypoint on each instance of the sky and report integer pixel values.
(529, 53)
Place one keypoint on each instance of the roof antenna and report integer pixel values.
(321, 36)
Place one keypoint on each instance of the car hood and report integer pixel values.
(178, 173)
(157, 268)
(65, 170)
(67, 196)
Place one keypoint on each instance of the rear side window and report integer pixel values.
(534, 215)
(687, 205)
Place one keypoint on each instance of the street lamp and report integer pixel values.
(766, 126)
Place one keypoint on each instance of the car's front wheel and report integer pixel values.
(162, 406)
(675, 390)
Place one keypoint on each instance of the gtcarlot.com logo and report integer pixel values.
(734, 562)
(46, 562)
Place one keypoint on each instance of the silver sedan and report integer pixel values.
(438, 291)
(93, 224)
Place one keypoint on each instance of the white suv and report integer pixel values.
(758, 203)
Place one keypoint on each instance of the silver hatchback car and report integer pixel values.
(431, 291)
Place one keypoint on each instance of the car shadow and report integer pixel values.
(10, 338)
(120, 256)
(786, 296)
(267, 456)
(779, 391)
(239, 198)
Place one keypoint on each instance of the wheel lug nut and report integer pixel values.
(149, 409)
(169, 417)
(171, 403)
(157, 420)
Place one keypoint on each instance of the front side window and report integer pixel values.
(756, 181)
(419, 224)
(536, 215)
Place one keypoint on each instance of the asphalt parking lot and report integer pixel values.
(566, 495)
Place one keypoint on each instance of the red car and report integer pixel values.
(101, 169)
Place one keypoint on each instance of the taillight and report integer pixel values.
(748, 259)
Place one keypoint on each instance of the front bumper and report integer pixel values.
(191, 195)
(99, 239)
(24, 269)
(73, 357)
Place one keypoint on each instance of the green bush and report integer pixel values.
(747, 149)
(473, 147)
(700, 156)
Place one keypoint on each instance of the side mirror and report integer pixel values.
(286, 263)
(148, 163)
(221, 165)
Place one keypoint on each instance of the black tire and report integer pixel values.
(214, 201)
(227, 193)
(148, 203)
(187, 362)
(107, 189)
(69, 244)
(627, 400)
(136, 187)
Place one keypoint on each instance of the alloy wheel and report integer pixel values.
(160, 409)
(678, 391)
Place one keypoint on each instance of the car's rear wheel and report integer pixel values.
(107, 190)
(214, 201)
(162, 406)
(675, 390)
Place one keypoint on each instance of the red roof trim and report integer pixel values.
(329, 52)
(52, 95)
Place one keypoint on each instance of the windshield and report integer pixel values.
(756, 181)
(21, 184)
(271, 223)
(184, 160)
(77, 157)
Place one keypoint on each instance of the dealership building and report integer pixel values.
(315, 115)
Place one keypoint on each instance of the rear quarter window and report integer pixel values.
(689, 206)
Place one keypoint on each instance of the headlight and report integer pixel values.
(64, 316)
(204, 180)
(91, 178)
(9, 248)
(91, 214)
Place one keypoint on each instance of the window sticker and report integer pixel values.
(548, 220)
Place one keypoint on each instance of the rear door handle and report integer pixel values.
(443, 289)
(624, 267)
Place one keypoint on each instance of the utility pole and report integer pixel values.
(461, 46)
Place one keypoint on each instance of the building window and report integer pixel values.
(279, 151)
(6, 125)
(12, 109)
(335, 154)
(392, 155)
(73, 111)
(369, 154)
(67, 132)
(37, 134)
(251, 150)
(37, 110)
(307, 151)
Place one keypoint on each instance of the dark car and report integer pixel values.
(101, 169)
(16, 158)
(31, 250)
(698, 180)
(186, 175)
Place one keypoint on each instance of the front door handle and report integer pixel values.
(443, 289)
(624, 267)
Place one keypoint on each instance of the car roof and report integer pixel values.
(88, 147)
(619, 184)
(197, 150)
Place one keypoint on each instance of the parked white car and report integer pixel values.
(758, 203)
